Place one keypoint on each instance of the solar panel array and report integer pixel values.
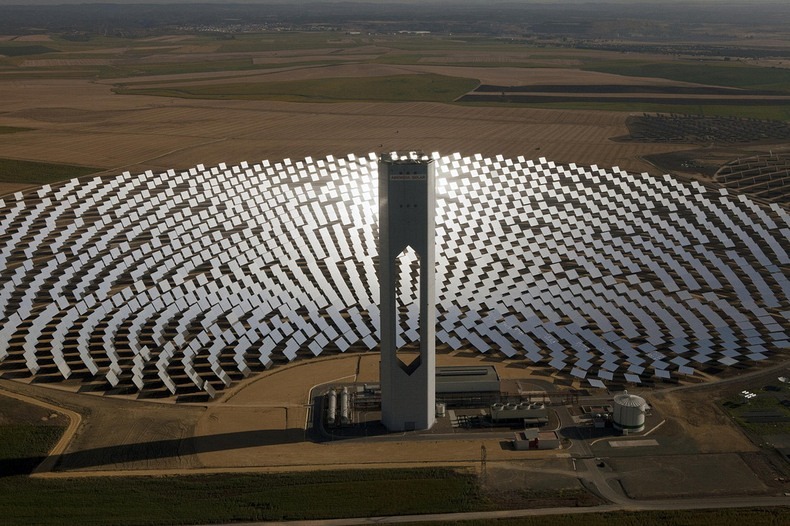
(192, 280)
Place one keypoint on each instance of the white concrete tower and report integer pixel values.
(407, 239)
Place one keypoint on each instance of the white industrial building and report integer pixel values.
(628, 412)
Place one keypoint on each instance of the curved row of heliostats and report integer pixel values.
(142, 278)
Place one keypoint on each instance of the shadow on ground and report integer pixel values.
(121, 455)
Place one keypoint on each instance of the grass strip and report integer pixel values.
(30, 172)
(716, 74)
(6, 130)
(24, 446)
(396, 88)
(17, 50)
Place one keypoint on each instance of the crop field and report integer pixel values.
(15, 171)
(230, 498)
(716, 73)
(5, 130)
(27, 433)
(768, 413)
(138, 133)
(430, 88)
(169, 102)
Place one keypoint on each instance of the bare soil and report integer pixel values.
(699, 475)
(10, 188)
(701, 420)
(516, 486)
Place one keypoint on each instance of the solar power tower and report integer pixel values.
(407, 233)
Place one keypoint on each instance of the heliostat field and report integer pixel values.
(177, 282)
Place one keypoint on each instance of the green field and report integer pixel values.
(10, 49)
(730, 74)
(24, 446)
(6, 130)
(28, 172)
(769, 399)
(428, 87)
(181, 68)
(230, 498)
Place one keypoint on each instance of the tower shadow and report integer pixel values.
(156, 450)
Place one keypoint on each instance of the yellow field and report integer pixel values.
(80, 120)
(84, 123)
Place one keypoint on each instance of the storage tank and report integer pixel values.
(629, 412)
(345, 408)
(441, 409)
(331, 407)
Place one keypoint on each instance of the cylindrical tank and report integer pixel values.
(331, 407)
(345, 411)
(629, 412)
(441, 409)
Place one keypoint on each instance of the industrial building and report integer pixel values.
(535, 439)
(477, 386)
(526, 413)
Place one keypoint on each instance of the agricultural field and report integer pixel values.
(167, 102)
(209, 499)
(16, 171)
(27, 433)
(767, 412)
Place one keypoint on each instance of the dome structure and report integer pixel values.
(629, 412)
